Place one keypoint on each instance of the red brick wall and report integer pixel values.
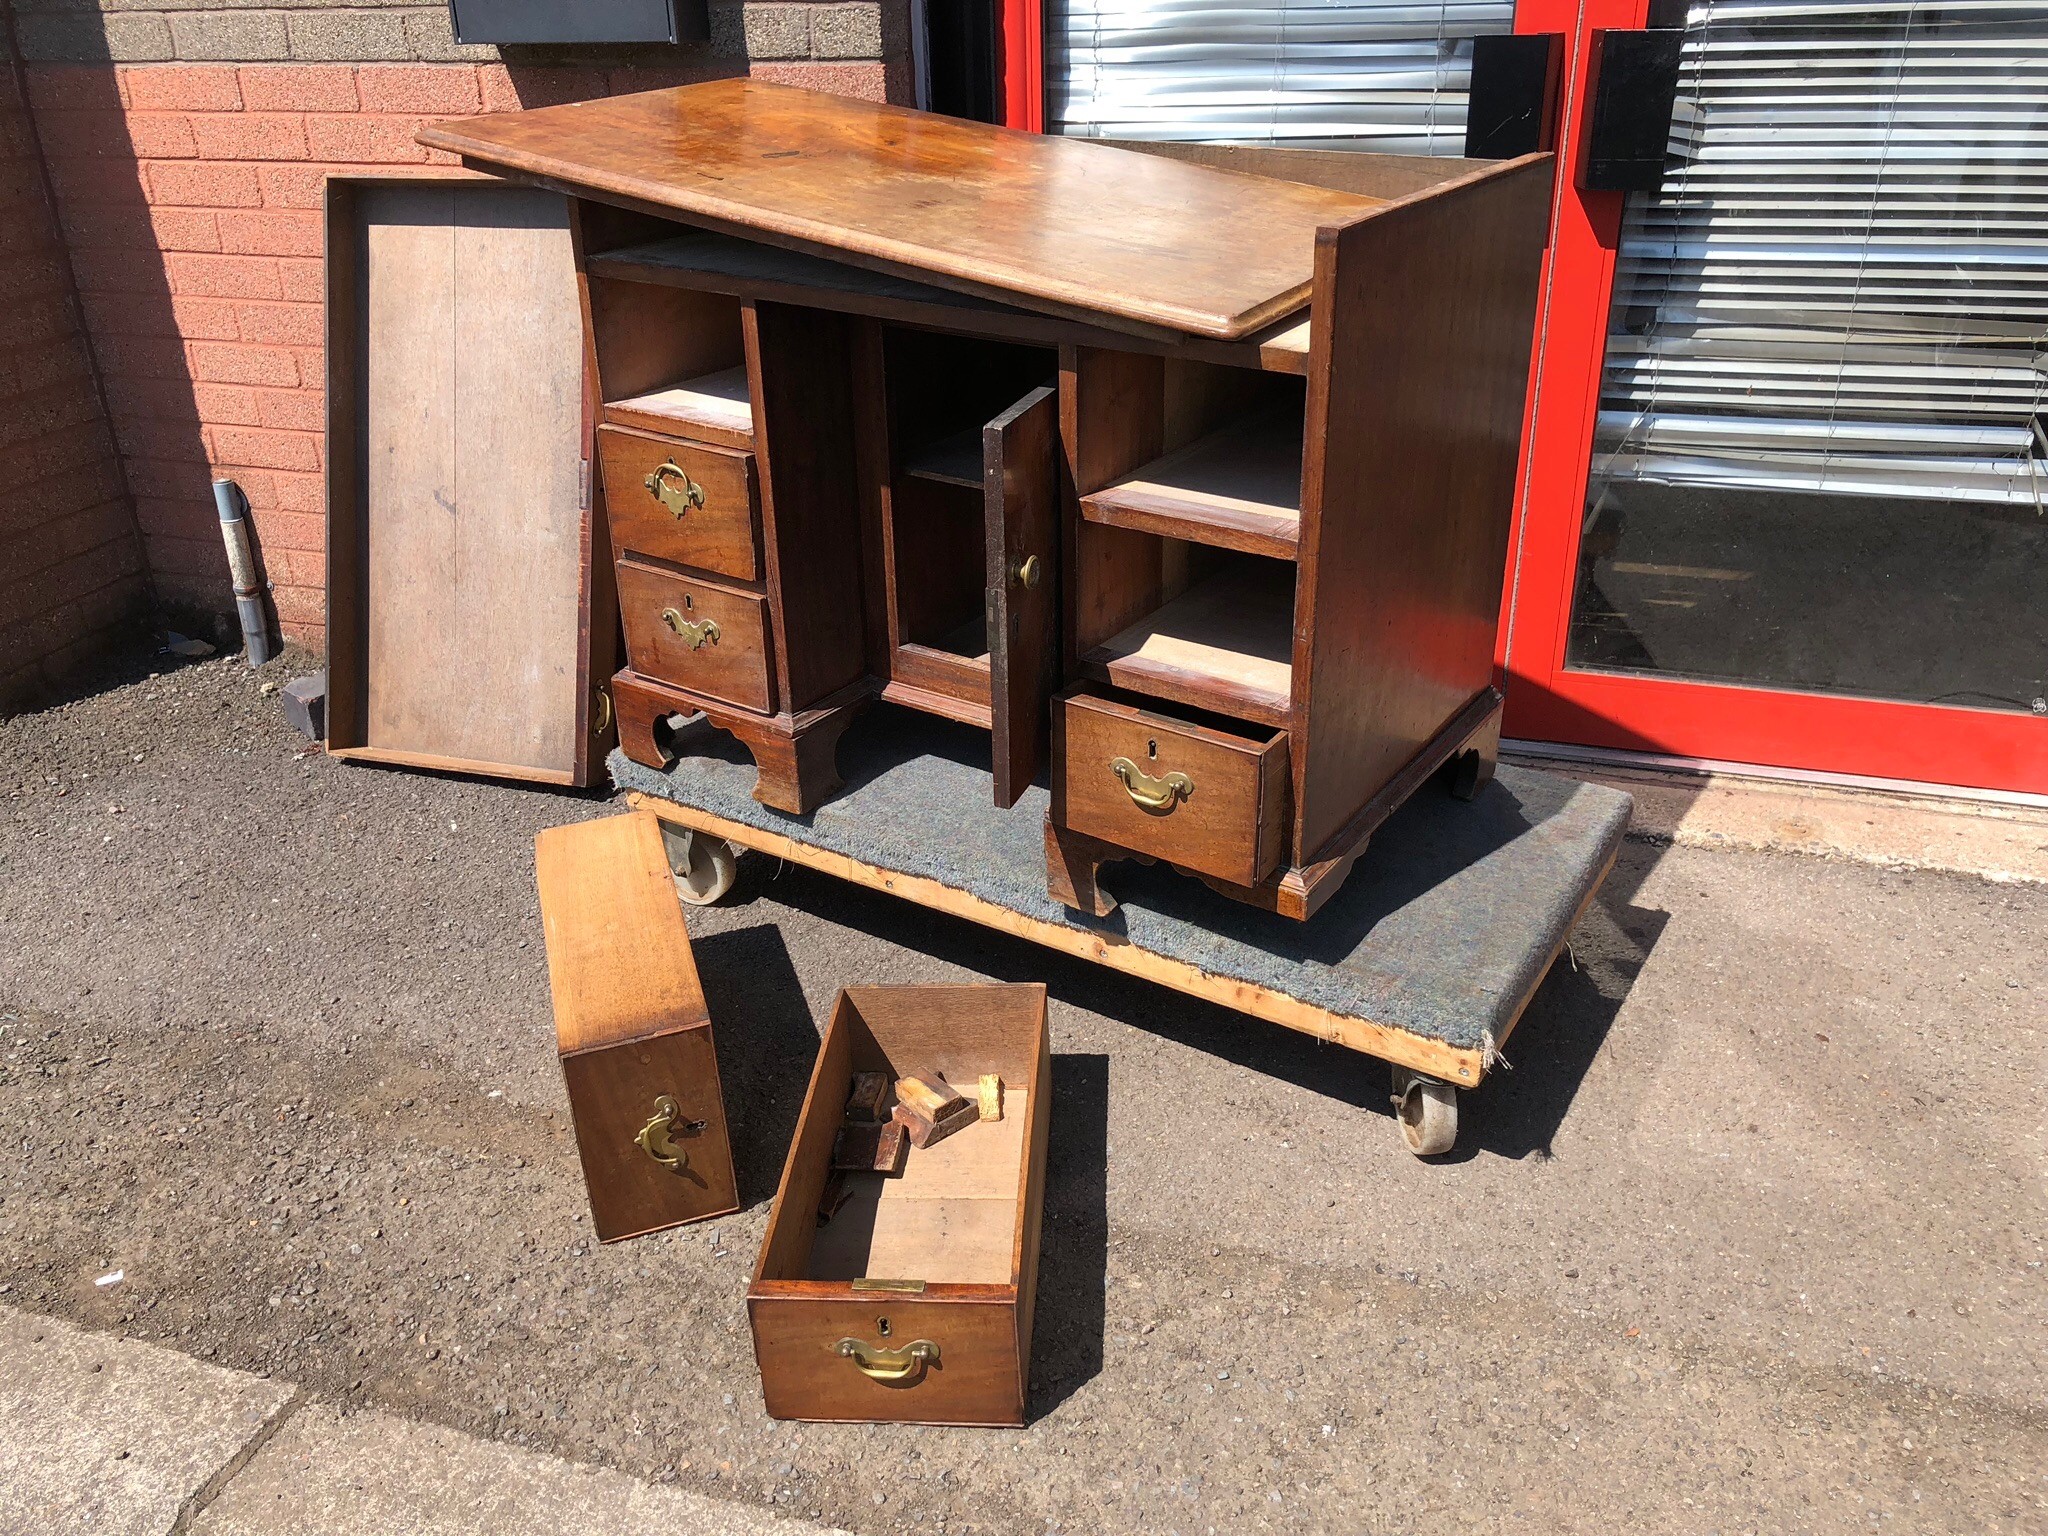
(190, 198)
(71, 572)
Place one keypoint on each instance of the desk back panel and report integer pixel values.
(458, 532)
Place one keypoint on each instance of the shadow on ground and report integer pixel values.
(1515, 1114)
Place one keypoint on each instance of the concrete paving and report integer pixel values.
(1972, 835)
(117, 1438)
(329, 1474)
(1751, 1238)
(113, 1437)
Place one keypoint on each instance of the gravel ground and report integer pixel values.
(1750, 1239)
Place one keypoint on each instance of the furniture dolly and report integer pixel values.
(1426, 958)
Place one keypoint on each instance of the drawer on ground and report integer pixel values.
(696, 635)
(1202, 793)
(632, 1029)
(908, 1298)
(686, 502)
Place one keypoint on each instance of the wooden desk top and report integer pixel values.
(1056, 224)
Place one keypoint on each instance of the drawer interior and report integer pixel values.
(955, 1213)
(1208, 628)
(1139, 710)
(950, 1217)
(671, 360)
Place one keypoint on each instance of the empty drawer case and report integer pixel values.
(912, 1303)
(1201, 797)
(696, 635)
(685, 502)
(631, 1025)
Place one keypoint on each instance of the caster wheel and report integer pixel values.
(1427, 1111)
(704, 866)
(1464, 776)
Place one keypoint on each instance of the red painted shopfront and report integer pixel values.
(1782, 499)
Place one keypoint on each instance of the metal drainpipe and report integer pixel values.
(234, 532)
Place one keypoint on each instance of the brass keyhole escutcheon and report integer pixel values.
(696, 633)
(1155, 795)
(654, 1138)
(1027, 572)
(671, 485)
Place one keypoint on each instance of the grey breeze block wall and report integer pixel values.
(403, 31)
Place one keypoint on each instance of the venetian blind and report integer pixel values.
(1843, 285)
(1317, 74)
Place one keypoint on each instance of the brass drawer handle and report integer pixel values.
(654, 1135)
(879, 1364)
(1150, 794)
(677, 498)
(696, 633)
(1026, 572)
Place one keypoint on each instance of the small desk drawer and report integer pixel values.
(696, 635)
(685, 502)
(911, 1302)
(632, 1029)
(1202, 798)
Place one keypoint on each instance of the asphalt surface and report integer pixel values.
(1751, 1238)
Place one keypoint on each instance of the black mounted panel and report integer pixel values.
(962, 36)
(1635, 82)
(581, 21)
(1513, 106)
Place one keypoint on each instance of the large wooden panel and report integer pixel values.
(1408, 483)
(457, 503)
(1052, 223)
(1343, 170)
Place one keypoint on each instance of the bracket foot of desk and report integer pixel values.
(796, 756)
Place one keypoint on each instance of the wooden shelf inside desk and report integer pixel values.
(715, 406)
(1238, 488)
(954, 460)
(1224, 645)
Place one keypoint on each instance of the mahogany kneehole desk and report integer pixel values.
(1185, 471)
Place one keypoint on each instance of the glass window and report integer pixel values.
(1310, 74)
(1821, 460)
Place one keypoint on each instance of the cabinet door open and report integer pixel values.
(1021, 487)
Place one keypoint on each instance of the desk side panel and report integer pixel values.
(1425, 316)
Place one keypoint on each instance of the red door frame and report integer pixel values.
(1547, 701)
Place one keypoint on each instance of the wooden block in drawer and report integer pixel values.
(1199, 797)
(696, 635)
(632, 1029)
(687, 502)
